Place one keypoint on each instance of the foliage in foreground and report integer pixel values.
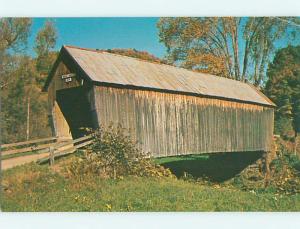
(37, 188)
(284, 174)
(114, 154)
(114, 175)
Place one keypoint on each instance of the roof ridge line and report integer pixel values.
(130, 57)
(115, 54)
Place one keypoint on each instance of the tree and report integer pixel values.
(136, 54)
(13, 37)
(18, 76)
(22, 93)
(283, 87)
(14, 33)
(232, 47)
(44, 43)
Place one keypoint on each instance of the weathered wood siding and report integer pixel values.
(172, 124)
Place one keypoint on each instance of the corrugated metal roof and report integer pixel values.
(111, 68)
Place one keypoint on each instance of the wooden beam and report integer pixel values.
(27, 142)
(27, 149)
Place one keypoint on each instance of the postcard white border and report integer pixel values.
(142, 8)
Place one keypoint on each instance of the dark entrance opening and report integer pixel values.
(75, 107)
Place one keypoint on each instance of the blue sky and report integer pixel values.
(104, 33)
(115, 32)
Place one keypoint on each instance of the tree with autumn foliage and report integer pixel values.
(13, 38)
(24, 112)
(143, 55)
(233, 47)
(283, 87)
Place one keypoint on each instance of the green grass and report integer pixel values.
(164, 160)
(36, 188)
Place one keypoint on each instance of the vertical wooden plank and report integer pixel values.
(170, 124)
(51, 155)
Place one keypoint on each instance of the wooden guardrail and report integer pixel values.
(65, 148)
(39, 145)
(55, 146)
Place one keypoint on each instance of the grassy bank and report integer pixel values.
(37, 188)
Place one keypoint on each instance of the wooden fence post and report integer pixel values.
(51, 156)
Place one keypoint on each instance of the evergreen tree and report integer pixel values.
(283, 87)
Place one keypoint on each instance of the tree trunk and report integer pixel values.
(115, 173)
(245, 64)
(235, 47)
(295, 143)
(28, 119)
(237, 61)
(263, 62)
(267, 161)
(227, 55)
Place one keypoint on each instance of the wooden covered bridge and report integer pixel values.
(169, 110)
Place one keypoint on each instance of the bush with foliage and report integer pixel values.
(113, 154)
(285, 177)
(284, 173)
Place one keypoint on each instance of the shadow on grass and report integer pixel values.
(218, 167)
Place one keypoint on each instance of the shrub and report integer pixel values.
(113, 154)
(285, 177)
(284, 174)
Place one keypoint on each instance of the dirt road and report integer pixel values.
(12, 162)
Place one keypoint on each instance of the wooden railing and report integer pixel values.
(38, 145)
(56, 147)
(65, 148)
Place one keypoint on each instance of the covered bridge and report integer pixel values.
(169, 110)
